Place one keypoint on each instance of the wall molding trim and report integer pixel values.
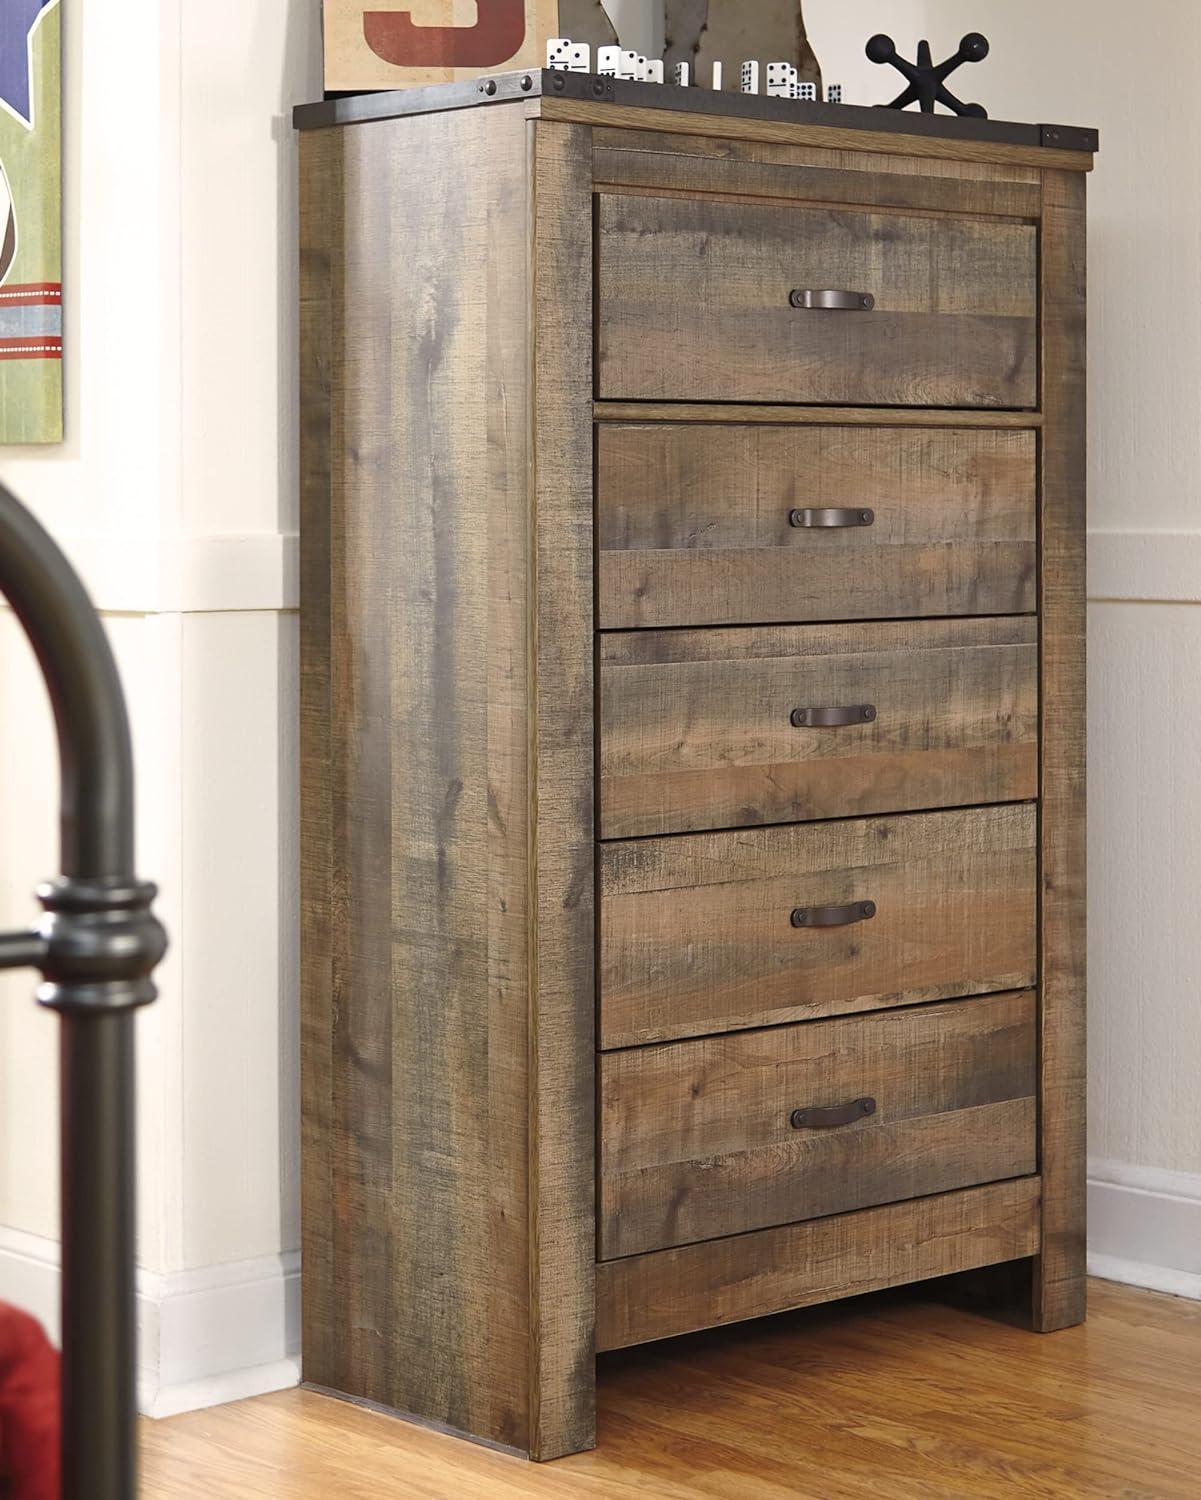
(207, 1336)
(1153, 567)
(1144, 1227)
(210, 573)
(144, 573)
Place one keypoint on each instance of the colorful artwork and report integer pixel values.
(392, 44)
(31, 315)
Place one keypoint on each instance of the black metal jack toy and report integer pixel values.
(927, 82)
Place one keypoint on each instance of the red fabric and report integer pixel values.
(29, 1409)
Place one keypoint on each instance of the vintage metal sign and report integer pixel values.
(389, 44)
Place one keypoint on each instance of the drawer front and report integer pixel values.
(700, 1140)
(694, 305)
(697, 936)
(706, 525)
(697, 727)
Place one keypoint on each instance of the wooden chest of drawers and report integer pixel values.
(692, 727)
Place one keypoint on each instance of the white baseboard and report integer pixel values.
(29, 1276)
(217, 1334)
(223, 1333)
(1144, 1227)
(217, 1390)
(1150, 1278)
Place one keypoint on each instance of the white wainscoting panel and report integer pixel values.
(221, 1333)
(1144, 1227)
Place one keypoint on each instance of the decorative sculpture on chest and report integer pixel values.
(927, 83)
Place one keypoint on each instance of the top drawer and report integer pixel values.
(694, 305)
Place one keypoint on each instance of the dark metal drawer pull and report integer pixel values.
(831, 301)
(813, 520)
(831, 1119)
(833, 916)
(832, 718)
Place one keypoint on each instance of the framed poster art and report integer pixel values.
(31, 293)
(391, 44)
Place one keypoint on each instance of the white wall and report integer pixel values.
(838, 31)
(175, 494)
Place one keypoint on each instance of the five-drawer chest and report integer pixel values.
(692, 726)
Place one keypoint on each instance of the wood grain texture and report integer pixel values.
(622, 168)
(696, 1141)
(563, 1372)
(694, 306)
(669, 1292)
(696, 732)
(715, 414)
(812, 1405)
(693, 524)
(344, 868)
(696, 934)
(1059, 1284)
(321, 282)
(738, 149)
(448, 777)
(417, 1294)
(785, 132)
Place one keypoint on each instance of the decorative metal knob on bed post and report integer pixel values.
(97, 946)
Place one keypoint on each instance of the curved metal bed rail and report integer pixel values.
(96, 947)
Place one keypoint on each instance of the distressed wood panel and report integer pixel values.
(736, 414)
(693, 524)
(448, 774)
(563, 1001)
(448, 997)
(617, 168)
(1059, 1280)
(696, 933)
(694, 306)
(425, 1139)
(696, 1140)
(737, 149)
(345, 822)
(321, 290)
(696, 732)
(669, 1292)
(449, 766)
(788, 133)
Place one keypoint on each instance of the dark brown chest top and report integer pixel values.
(560, 88)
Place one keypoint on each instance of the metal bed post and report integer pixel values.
(96, 947)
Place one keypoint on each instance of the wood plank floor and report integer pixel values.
(896, 1396)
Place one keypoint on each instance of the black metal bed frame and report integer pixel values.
(96, 947)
